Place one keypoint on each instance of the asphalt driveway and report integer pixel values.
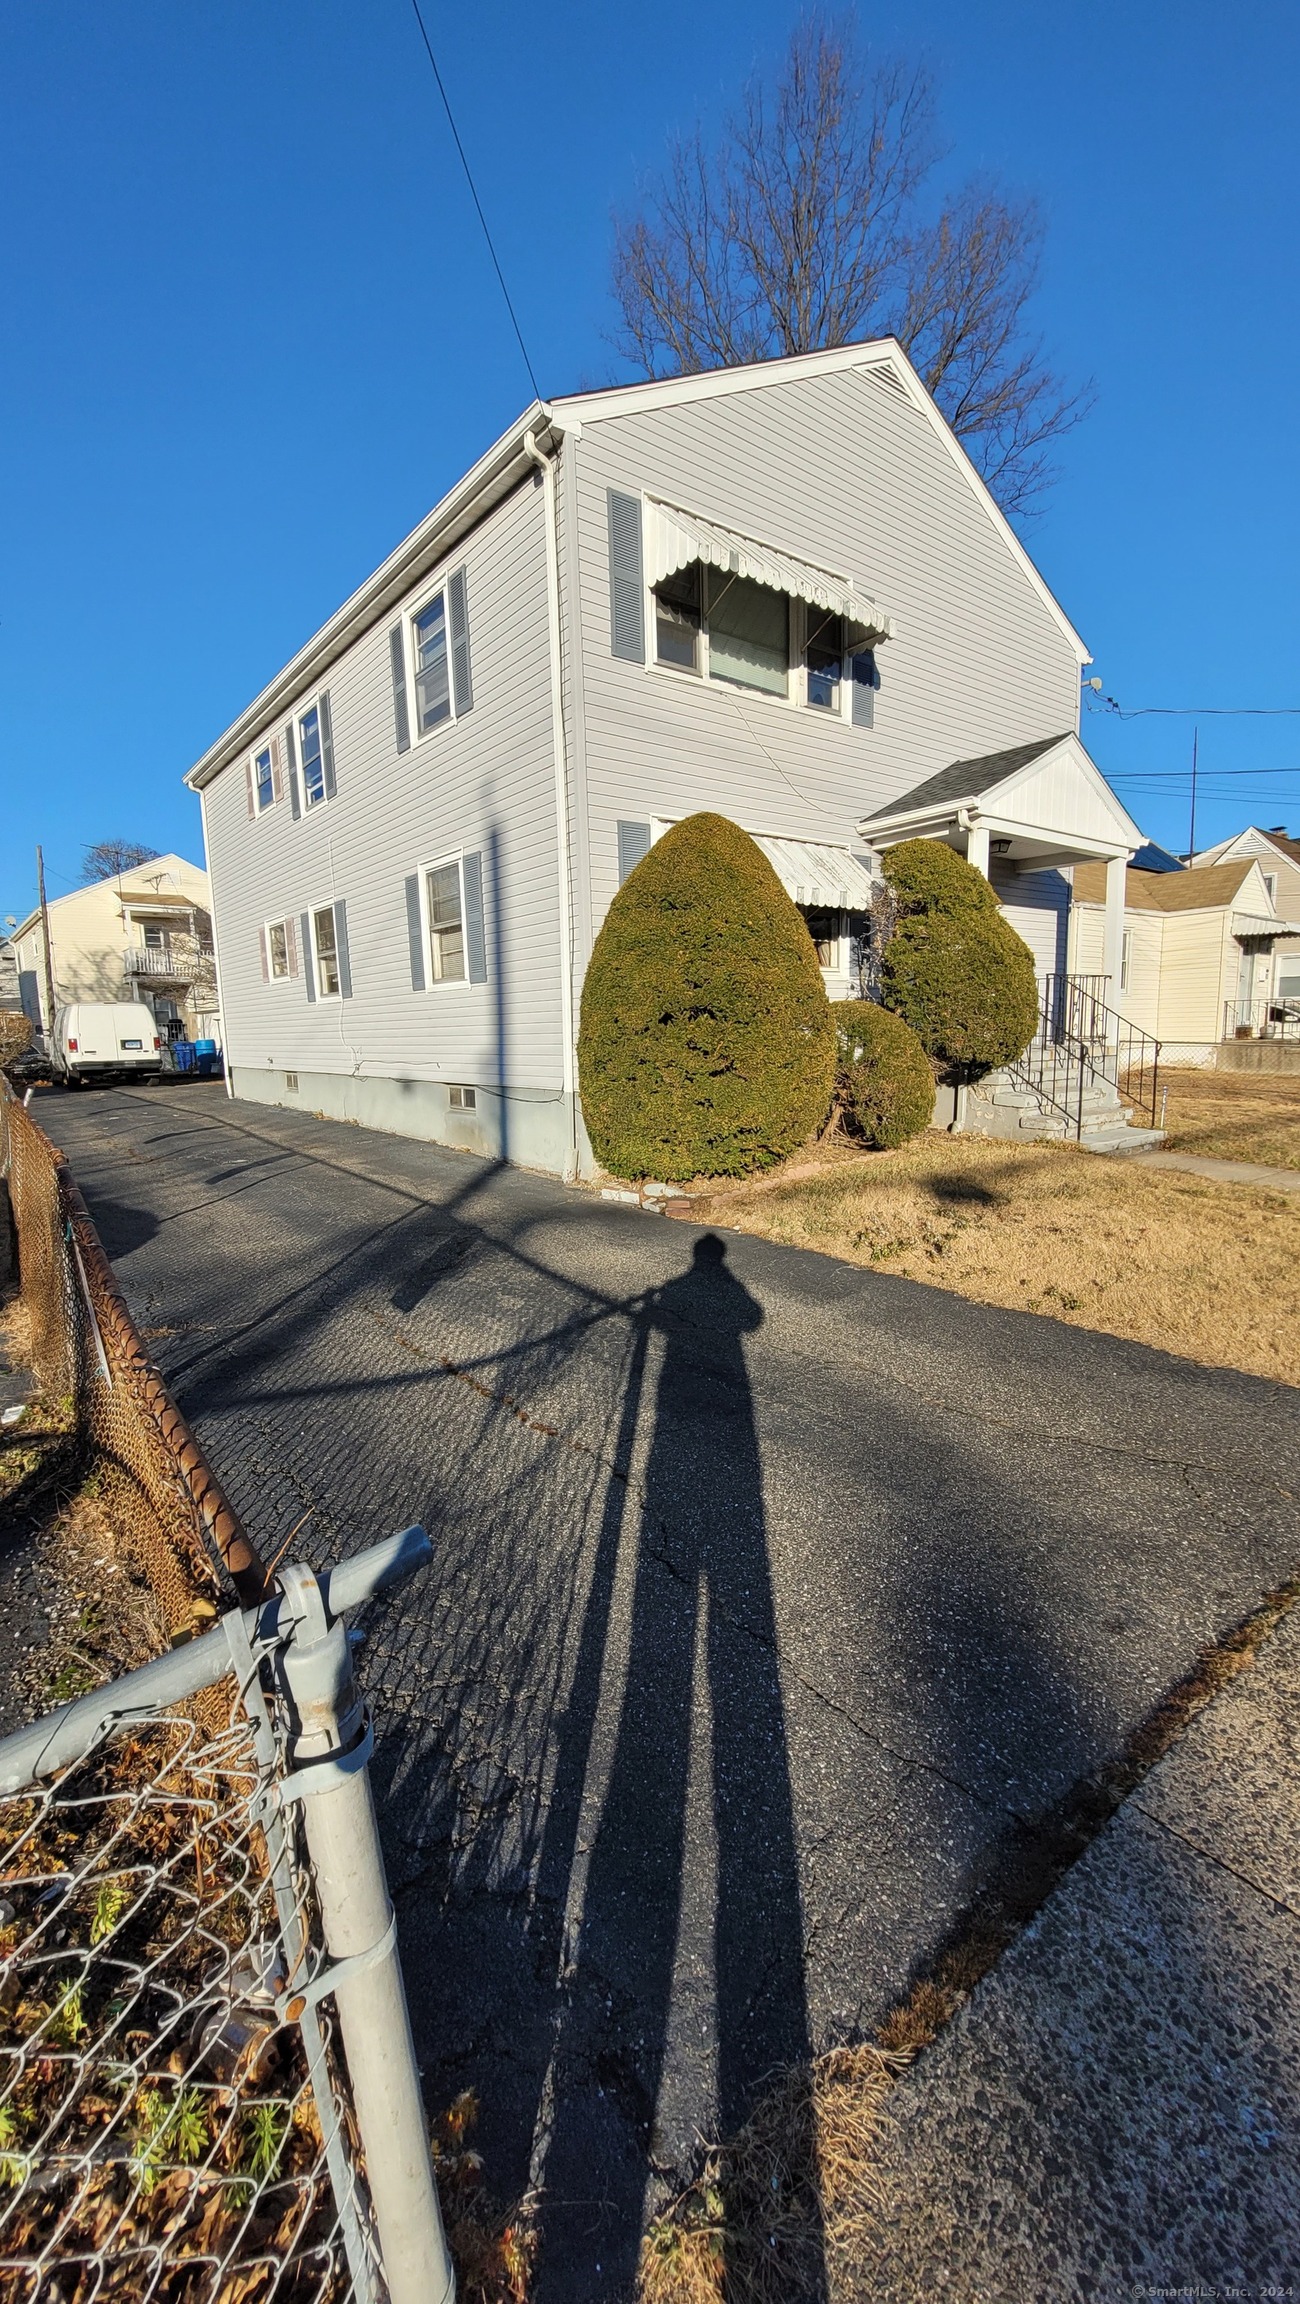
(773, 1600)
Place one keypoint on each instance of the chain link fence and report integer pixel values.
(208, 2092)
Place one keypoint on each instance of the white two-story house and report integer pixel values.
(780, 592)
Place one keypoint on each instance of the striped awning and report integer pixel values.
(815, 874)
(676, 538)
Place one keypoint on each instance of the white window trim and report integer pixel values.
(312, 910)
(418, 608)
(267, 926)
(434, 983)
(796, 695)
(300, 711)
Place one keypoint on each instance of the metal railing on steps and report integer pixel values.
(1083, 1045)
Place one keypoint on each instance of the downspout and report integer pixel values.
(559, 746)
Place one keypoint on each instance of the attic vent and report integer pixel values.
(889, 378)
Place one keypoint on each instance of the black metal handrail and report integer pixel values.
(1082, 1042)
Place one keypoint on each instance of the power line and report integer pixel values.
(469, 179)
(1127, 775)
(1195, 711)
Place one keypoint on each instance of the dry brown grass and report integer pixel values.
(793, 2191)
(1235, 1115)
(1206, 1269)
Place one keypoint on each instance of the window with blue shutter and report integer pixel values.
(866, 680)
(633, 844)
(462, 689)
(626, 584)
(401, 716)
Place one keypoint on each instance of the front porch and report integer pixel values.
(1025, 818)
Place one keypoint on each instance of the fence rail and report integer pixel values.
(208, 2092)
(1261, 1019)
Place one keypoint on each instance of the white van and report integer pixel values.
(105, 1040)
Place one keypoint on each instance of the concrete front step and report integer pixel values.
(1122, 1140)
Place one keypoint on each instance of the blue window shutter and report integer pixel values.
(866, 680)
(633, 844)
(326, 743)
(626, 598)
(401, 717)
(458, 616)
(475, 940)
(415, 932)
(291, 763)
(308, 955)
(341, 947)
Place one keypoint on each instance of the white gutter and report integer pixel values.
(559, 748)
(491, 479)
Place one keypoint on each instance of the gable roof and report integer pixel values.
(546, 422)
(880, 357)
(1211, 888)
(1280, 841)
(141, 897)
(967, 780)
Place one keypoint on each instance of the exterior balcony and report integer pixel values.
(161, 966)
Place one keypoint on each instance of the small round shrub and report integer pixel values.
(928, 877)
(706, 1045)
(883, 1082)
(965, 984)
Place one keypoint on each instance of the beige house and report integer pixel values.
(1279, 861)
(1198, 962)
(145, 934)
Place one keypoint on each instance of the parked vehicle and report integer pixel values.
(105, 1040)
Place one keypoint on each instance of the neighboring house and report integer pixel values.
(780, 592)
(144, 934)
(10, 994)
(1198, 960)
(1279, 861)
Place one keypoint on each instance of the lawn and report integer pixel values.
(1235, 1115)
(1206, 1269)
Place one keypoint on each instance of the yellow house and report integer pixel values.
(144, 934)
(1198, 964)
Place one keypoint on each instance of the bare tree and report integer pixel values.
(109, 857)
(805, 228)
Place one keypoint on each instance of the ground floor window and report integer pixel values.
(325, 939)
(446, 923)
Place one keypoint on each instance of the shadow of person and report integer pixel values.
(650, 1985)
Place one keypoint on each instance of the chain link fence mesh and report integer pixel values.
(164, 2131)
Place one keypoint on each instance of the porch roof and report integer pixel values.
(1046, 799)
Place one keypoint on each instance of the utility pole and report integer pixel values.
(45, 929)
(1191, 834)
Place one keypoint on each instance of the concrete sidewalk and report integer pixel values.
(1224, 1171)
(1116, 2112)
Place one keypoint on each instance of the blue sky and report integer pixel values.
(253, 335)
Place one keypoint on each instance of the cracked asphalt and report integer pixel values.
(773, 1600)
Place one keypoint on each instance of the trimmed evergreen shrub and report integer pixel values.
(707, 1046)
(928, 877)
(883, 1082)
(966, 985)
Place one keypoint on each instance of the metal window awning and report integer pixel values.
(813, 874)
(677, 538)
(1259, 924)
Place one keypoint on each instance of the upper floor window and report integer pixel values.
(432, 669)
(747, 635)
(277, 948)
(677, 619)
(1270, 886)
(264, 779)
(311, 752)
(824, 660)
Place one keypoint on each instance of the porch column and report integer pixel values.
(1113, 940)
(977, 848)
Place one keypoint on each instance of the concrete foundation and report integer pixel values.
(1258, 1056)
(533, 1128)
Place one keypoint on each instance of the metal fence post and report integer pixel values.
(330, 1745)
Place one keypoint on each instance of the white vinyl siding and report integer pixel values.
(486, 786)
(848, 476)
